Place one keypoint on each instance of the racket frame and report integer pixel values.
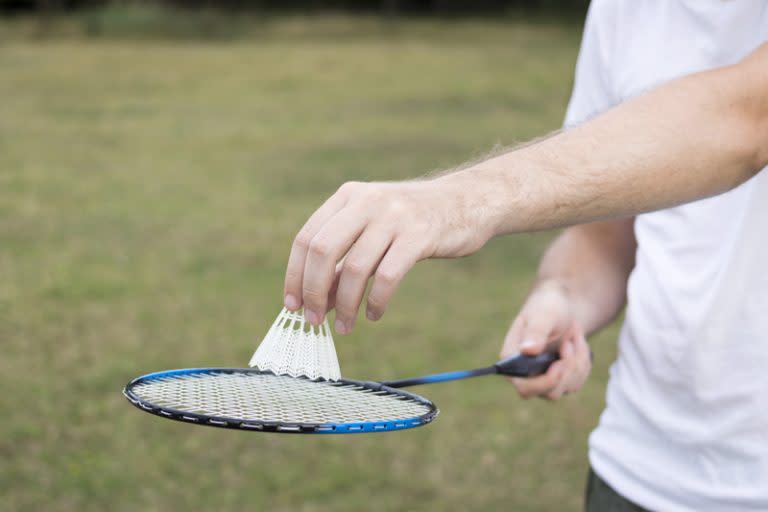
(281, 427)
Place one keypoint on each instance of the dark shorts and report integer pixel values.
(600, 497)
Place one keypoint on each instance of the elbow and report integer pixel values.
(756, 128)
(761, 140)
(753, 72)
(753, 142)
(762, 147)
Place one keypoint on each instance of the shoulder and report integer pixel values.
(614, 16)
(604, 22)
(604, 11)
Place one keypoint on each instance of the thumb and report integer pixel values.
(535, 336)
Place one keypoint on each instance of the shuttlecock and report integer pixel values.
(297, 348)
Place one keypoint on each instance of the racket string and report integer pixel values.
(263, 397)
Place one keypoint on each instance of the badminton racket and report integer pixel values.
(259, 401)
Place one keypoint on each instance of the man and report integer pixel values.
(670, 106)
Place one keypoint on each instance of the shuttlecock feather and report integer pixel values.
(297, 348)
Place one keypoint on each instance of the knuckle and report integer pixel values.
(302, 240)
(319, 247)
(292, 272)
(396, 207)
(387, 277)
(313, 297)
(375, 307)
(551, 381)
(345, 313)
(350, 187)
(543, 385)
(291, 279)
(522, 389)
(367, 193)
(345, 308)
(355, 268)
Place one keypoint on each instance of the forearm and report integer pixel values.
(591, 264)
(692, 138)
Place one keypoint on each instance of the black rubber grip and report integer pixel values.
(526, 366)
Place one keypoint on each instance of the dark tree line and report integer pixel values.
(385, 6)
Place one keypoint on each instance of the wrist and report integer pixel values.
(552, 285)
(482, 199)
(581, 310)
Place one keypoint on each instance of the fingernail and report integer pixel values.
(340, 327)
(291, 302)
(312, 317)
(528, 344)
(370, 315)
(567, 349)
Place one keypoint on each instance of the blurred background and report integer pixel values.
(156, 160)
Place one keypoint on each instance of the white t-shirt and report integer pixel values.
(686, 422)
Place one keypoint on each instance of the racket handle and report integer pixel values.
(526, 366)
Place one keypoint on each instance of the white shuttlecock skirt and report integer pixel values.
(296, 348)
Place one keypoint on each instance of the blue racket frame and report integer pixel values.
(284, 428)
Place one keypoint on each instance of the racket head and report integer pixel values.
(259, 401)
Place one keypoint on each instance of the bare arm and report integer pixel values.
(691, 138)
(591, 264)
(580, 288)
(694, 137)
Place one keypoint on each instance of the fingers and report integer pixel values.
(361, 261)
(530, 336)
(326, 249)
(542, 385)
(547, 320)
(334, 288)
(536, 334)
(582, 363)
(294, 274)
(511, 344)
(568, 358)
(567, 375)
(583, 352)
(398, 260)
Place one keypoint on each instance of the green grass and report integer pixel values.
(149, 192)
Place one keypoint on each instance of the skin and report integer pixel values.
(631, 159)
(581, 287)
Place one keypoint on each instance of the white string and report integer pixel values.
(269, 398)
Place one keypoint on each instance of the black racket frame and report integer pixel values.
(285, 428)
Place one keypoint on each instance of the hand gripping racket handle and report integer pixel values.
(526, 366)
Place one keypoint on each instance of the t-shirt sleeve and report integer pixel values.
(592, 86)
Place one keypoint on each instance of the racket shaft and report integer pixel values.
(516, 366)
(440, 377)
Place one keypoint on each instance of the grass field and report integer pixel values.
(149, 192)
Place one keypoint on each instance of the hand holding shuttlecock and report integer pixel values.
(297, 348)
